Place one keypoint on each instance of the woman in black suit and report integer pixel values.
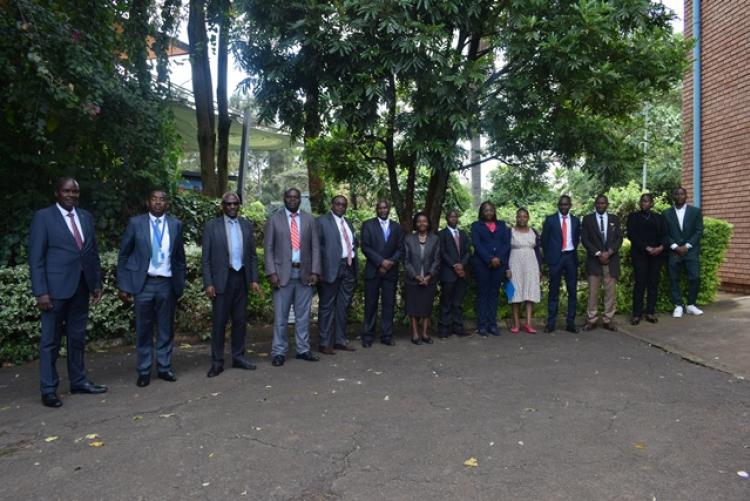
(422, 261)
(647, 232)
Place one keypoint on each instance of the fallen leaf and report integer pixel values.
(520, 442)
(341, 379)
(137, 418)
(640, 445)
(211, 455)
(471, 462)
(216, 394)
(529, 409)
(166, 415)
(264, 354)
(206, 484)
(743, 474)
(92, 436)
(185, 346)
(96, 443)
(51, 438)
(387, 398)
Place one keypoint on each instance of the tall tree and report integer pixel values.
(222, 17)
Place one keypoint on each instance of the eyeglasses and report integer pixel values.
(230, 203)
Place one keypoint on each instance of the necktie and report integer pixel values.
(386, 230)
(156, 239)
(564, 232)
(236, 249)
(295, 232)
(457, 241)
(601, 227)
(76, 233)
(348, 243)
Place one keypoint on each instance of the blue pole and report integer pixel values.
(697, 103)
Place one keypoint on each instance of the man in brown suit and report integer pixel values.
(601, 235)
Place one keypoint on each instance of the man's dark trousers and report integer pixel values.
(230, 304)
(566, 267)
(334, 300)
(374, 289)
(692, 268)
(451, 296)
(69, 316)
(155, 304)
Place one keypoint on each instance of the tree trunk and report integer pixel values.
(203, 94)
(436, 195)
(390, 154)
(311, 132)
(222, 156)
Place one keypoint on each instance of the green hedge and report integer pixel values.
(111, 319)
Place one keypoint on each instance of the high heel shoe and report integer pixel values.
(529, 329)
(514, 330)
(416, 340)
(427, 340)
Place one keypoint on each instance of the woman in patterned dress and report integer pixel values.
(524, 270)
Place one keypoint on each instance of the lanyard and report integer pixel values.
(158, 234)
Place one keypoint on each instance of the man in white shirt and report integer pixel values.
(151, 271)
(684, 232)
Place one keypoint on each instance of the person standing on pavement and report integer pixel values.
(601, 236)
(382, 244)
(561, 234)
(65, 270)
(524, 271)
(647, 232)
(421, 263)
(455, 255)
(230, 266)
(491, 239)
(151, 272)
(292, 265)
(684, 232)
(338, 259)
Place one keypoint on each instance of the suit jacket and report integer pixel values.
(413, 260)
(277, 247)
(215, 253)
(135, 255)
(691, 232)
(377, 249)
(55, 262)
(449, 254)
(591, 237)
(488, 244)
(330, 247)
(552, 237)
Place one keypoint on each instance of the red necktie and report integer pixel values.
(348, 244)
(295, 232)
(564, 232)
(76, 233)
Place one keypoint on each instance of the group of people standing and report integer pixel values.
(303, 254)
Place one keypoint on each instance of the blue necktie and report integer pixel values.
(156, 240)
(386, 232)
(234, 237)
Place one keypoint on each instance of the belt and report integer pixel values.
(295, 265)
(158, 277)
(568, 252)
(232, 270)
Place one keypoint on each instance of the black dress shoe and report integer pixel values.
(652, 319)
(549, 329)
(308, 356)
(589, 326)
(89, 388)
(416, 340)
(366, 344)
(278, 360)
(388, 342)
(343, 347)
(572, 329)
(482, 332)
(427, 340)
(51, 400)
(635, 320)
(167, 376)
(143, 380)
(241, 363)
(214, 371)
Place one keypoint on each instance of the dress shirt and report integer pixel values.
(165, 267)
(385, 225)
(65, 213)
(295, 252)
(228, 228)
(344, 250)
(680, 213)
(569, 240)
(599, 225)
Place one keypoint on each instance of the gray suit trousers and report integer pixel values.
(299, 294)
(335, 299)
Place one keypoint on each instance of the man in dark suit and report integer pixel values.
(684, 230)
(230, 264)
(151, 272)
(292, 264)
(382, 242)
(561, 234)
(601, 236)
(65, 271)
(454, 256)
(338, 256)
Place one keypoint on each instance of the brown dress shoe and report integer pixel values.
(344, 347)
(327, 350)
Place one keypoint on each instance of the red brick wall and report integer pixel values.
(725, 183)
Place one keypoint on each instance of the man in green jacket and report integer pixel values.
(684, 228)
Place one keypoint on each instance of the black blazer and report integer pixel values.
(330, 247)
(215, 250)
(135, 254)
(376, 249)
(591, 237)
(449, 254)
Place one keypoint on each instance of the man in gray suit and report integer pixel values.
(229, 265)
(292, 264)
(338, 250)
(151, 271)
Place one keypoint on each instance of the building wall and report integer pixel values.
(725, 184)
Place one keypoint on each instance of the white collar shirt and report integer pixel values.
(680, 215)
(165, 263)
(569, 236)
(344, 228)
(602, 220)
(295, 252)
(65, 213)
